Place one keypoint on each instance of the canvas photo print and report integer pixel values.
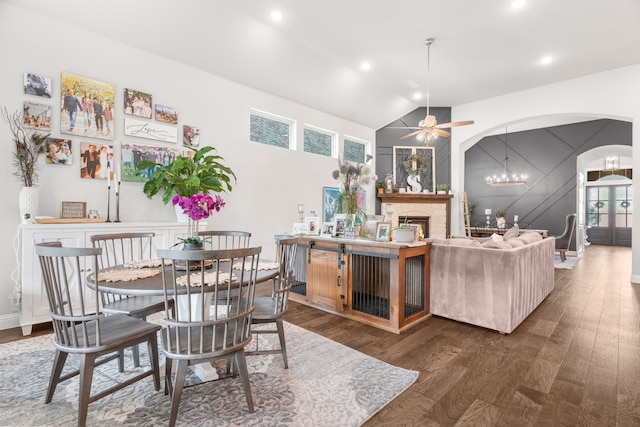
(96, 160)
(138, 103)
(36, 116)
(166, 114)
(191, 135)
(133, 153)
(87, 107)
(37, 85)
(59, 151)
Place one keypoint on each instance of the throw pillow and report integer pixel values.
(515, 243)
(495, 244)
(530, 237)
(497, 238)
(511, 233)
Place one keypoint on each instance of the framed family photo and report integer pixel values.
(36, 116)
(37, 85)
(313, 224)
(137, 103)
(328, 229)
(87, 106)
(382, 231)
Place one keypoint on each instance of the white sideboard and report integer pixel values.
(34, 304)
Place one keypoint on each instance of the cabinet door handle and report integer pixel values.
(339, 280)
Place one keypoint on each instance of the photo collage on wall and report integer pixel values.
(88, 115)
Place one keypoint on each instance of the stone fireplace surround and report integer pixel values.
(437, 207)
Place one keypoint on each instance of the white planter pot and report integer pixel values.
(28, 203)
(405, 236)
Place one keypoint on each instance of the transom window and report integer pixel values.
(355, 150)
(319, 141)
(270, 129)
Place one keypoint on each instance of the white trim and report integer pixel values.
(9, 321)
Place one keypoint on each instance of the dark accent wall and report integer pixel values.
(548, 156)
(386, 139)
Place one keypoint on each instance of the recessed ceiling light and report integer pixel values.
(365, 66)
(276, 16)
(417, 96)
(517, 4)
(546, 60)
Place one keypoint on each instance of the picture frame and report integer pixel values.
(37, 85)
(329, 197)
(96, 161)
(417, 230)
(131, 153)
(73, 210)
(166, 114)
(78, 120)
(383, 230)
(36, 116)
(299, 228)
(150, 130)
(313, 225)
(426, 179)
(341, 223)
(59, 151)
(328, 229)
(137, 103)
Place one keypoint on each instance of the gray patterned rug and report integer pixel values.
(327, 384)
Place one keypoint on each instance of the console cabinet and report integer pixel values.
(382, 284)
(34, 305)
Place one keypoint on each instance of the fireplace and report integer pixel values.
(422, 221)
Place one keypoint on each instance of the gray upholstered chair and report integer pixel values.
(93, 336)
(225, 239)
(564, 240)
(119, 249)
(271, 309)
(198, 332)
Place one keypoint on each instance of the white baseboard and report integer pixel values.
(9, 321)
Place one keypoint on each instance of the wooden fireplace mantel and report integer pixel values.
(414, 198)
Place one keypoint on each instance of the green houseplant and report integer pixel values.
(405, 232)
(187, 182)
(187, 176)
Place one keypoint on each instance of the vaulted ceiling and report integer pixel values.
(482, 48)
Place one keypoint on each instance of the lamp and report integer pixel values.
(506, 178)
(301, 211)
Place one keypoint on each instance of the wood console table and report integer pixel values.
(382, 284)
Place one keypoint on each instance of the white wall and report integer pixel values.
(271, 181)
(609, 94)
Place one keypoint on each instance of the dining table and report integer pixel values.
(122, 280)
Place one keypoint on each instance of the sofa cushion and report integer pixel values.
(458, 242)
(511, 233)
(515, 243)
(530, 237)
(496, 244)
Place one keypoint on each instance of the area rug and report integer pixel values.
(570, 262)
(327, 384)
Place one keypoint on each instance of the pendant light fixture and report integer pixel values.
(505, 177)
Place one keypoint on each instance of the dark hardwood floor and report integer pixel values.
(574, 361)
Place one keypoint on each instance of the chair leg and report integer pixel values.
(87, 362)
(56, 370)
(153, 358)
(121, 360)
(241, 364)
(563, 255)
(283, 344)
(178, 385)
(136, 355)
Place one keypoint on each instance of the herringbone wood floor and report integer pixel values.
(574, 361)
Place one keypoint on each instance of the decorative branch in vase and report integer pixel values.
(29, 146)
(352, 178)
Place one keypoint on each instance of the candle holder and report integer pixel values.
(117, 207)
(108, 202)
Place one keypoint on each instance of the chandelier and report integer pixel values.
(505, 177)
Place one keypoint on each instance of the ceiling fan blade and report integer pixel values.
(403, 127)
(454, 124)
(442, 133)
(411, 134)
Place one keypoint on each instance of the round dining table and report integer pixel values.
(153, 285)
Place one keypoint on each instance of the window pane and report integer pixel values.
(269, 131)
(354, 151)
(318, 142)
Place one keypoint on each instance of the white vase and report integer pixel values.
(502, 222)
(405, 235)
(180, 215)
(28, 203)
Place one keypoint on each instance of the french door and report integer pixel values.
(609, 214)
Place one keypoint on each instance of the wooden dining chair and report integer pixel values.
(119, 249)
(271, 309)
(197, 332)
(225, 239)
(91, 335)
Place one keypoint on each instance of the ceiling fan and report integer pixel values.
(429, 129)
